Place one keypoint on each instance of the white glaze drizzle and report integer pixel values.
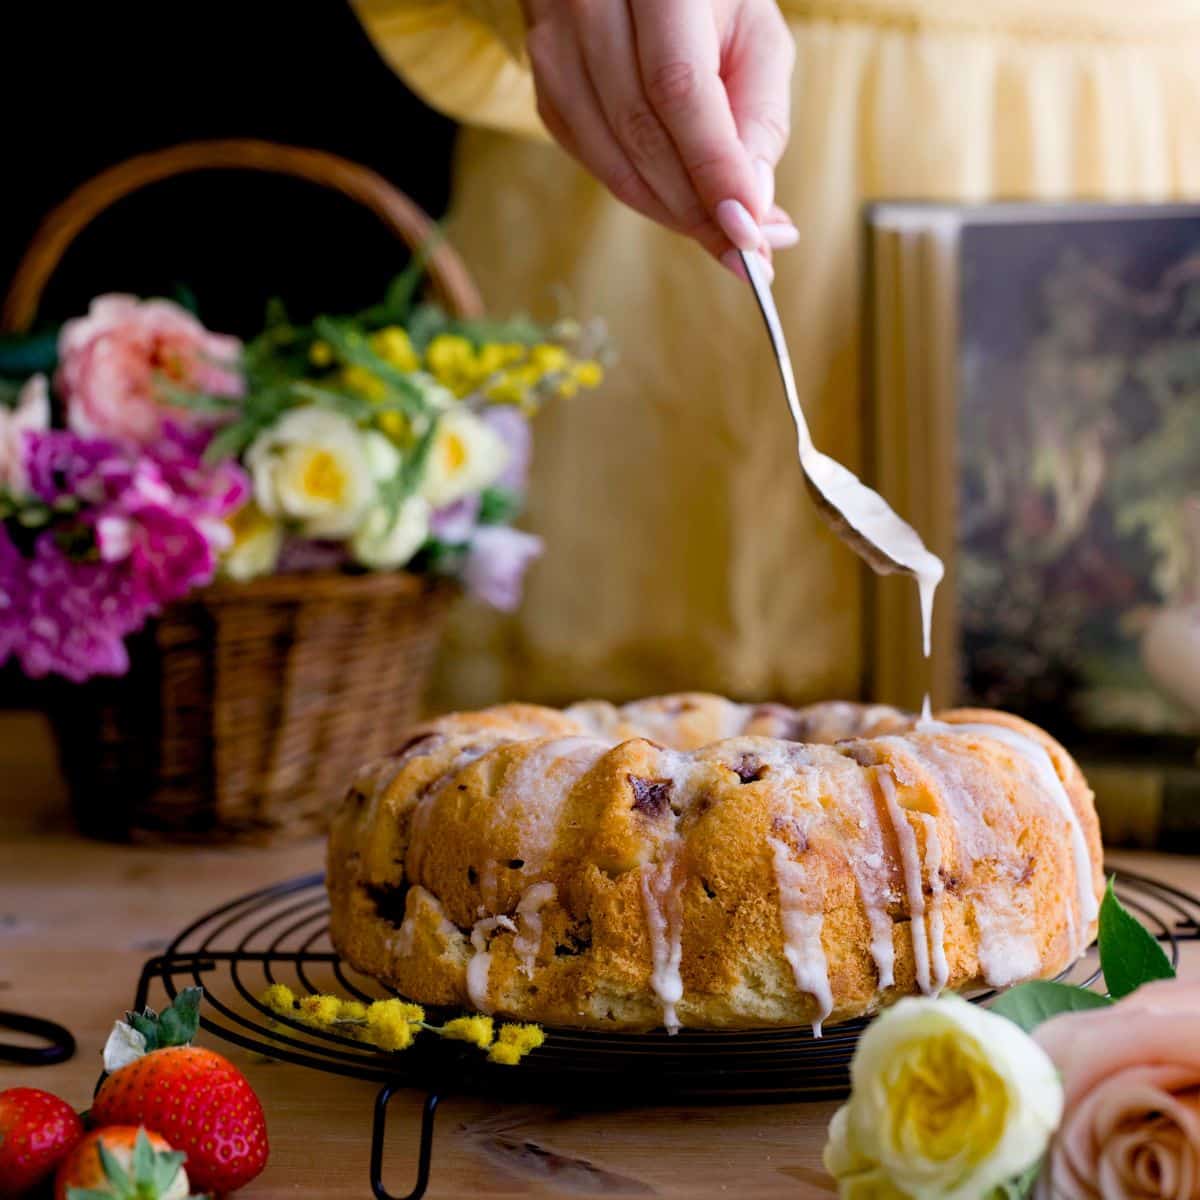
(910, 861)
(802, 919)
(480, 966)
(1052, 785)
(529, 918)
(1008, 951)
(539, 785)
(1007, 948)
(662, 897)
(935, 923)
(868, 861)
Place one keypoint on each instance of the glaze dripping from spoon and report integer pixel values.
(861, 517)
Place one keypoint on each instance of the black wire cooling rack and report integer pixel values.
(280, 934)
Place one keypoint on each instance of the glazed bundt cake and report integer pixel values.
(691, 861)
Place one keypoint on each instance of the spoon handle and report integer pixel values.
(756, 273)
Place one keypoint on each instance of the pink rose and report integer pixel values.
(118, 364)
(1132, 1079)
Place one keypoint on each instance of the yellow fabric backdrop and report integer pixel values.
(682, 550)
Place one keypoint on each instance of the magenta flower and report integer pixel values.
(120, 362)
(146, 531)
(496, 565)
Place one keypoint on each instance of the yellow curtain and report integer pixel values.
(682, 550)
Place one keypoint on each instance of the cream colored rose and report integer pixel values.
(467, 455)
(254, 546)
(382, 543)
(948, 1102)
(314, 467)
(1132, 1078)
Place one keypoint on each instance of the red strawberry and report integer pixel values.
(37, 1131)
(125, 1162)
(201, 1103)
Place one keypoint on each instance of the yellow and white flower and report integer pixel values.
(382, 542)
(948, 1102)
(313, 467)
(256, 542)
(466, 456)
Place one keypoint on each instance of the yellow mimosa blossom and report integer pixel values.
(396, 425)
(320, 354)
(279, 998)
(504, 389)
(395, 347)
(392, 1024)
(451, 360)
(477, 1030)
(514, 1042)
(352, 1010)
(567, 388)
(363, 382)
(494, 356)
(588, 373)
(548, 358)
(321, 1010)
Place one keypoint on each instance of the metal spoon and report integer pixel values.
(860, 517)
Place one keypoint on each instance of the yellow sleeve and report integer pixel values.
(466, 58)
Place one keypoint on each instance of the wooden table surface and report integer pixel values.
(77, 919)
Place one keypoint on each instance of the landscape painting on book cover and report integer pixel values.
(1079, 472)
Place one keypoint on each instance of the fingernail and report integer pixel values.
(738, 225)
(779, 236)
(766, 183)
(731, 260)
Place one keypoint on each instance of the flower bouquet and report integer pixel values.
(259, 541)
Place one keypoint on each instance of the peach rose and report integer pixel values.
(118, 363)
(1131, 1129)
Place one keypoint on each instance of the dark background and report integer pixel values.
(86, 85)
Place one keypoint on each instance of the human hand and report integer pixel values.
(679, 107)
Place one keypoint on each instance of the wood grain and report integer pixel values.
(78, 918)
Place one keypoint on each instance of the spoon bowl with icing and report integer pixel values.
(861, 517)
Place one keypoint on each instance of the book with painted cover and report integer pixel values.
(1033, 395)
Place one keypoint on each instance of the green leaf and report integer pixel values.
(22, 355)
(1029, 1004)
(1129, 953)
(164, 1168)
(78, 1193)
(185, 297)
(113, 1171)
(1022, 1186)
(142, 1159)
(146, 1023)
(499, 506)
(187, 1009)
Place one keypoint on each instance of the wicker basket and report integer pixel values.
(248, 706)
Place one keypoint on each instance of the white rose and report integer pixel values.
(948, 1102)
(382, 456)
(467, 455)
(381, 543)
(314, 467)
(256, 541)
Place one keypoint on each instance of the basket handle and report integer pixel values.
(451, 280)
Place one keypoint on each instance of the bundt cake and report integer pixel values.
(691, 861)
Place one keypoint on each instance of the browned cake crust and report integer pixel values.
(687, 860)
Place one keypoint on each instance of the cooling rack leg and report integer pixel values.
(378, 1137)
